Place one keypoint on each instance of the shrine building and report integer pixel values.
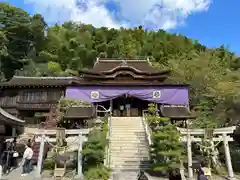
(125, 87)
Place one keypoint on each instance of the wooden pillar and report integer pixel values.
(156, 108)
(79, 170)
(111, 107)
(40, 157)
(189, 151)
(14, 133)
(228, 157)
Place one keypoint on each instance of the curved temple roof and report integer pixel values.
(107, 66)
(6, 118)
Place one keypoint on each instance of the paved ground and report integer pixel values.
(16, 175)
(133, 176)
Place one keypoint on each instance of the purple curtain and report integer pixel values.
(163, 95)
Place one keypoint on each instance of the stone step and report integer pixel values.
(128, 154)
(127, 121)
(120, 159)
(129, 150)
(128, 131)
(130, 161)
(124, 137)
(128, 175)
(136, 149)
(127, 127)
(143, 154)
(127, 117)
(128, 145)
(127, 142)
(139, 150)
(131, 167)
(134, 143)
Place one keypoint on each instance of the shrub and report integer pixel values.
(97, 173)
(94, 149)
(49, 164)
(167, 151)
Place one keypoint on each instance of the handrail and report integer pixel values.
(109, 141)
(147, 128)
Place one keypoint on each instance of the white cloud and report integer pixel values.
(166, 14)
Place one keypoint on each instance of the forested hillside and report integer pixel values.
(28, 47)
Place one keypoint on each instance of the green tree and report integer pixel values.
(167, 151)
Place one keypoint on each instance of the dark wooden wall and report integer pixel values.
(30, 98)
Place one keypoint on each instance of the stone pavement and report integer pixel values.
(133, 176)
(16, 175)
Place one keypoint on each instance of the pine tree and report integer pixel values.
(167, 150)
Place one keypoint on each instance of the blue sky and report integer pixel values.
(212, 22)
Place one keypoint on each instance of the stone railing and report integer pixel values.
(147, 127)
(107, 150)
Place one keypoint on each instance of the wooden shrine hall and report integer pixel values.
(126, 87)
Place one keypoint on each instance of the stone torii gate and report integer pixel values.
(219, 134)
(43, 137)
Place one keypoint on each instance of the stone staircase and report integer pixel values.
(129, 150)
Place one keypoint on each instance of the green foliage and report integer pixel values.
(64, 104)
(49, 164)
(99, 173)
(54, 67)
(23, 37)
(152, 108)
(235, 154)
(94, 154)
(94, 148)
(204, 119)
(167, 151)
(28, 47)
